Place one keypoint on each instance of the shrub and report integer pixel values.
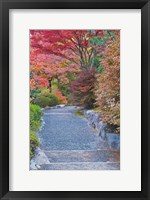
(34, 142)
(35, 93)
(64, 89)
(35, 122)
(42, 101)
(83, 88)
(45, 92)
(108, 84)
(61, 99)
(35, 117)
(53, 100)
(45, 98)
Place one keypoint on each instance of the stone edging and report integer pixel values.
(39, 158)
(103, 130)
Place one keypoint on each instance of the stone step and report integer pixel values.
(67, 156)
(82, 166)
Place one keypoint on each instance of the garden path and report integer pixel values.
(71, 144)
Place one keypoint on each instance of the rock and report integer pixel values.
(94, 121)
(33, 165)
(89, 112)
(113, 140)
(78, 107)
(40, 158)
(46, 107)
(38, 166)
(104, 130)
(60, 106)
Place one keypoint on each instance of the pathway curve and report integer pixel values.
(70, 143)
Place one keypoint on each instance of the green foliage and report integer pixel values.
(96, 40)
(101, 41)
(42, 101)
(106, 36)
(35, 117)
(96, 109)
(54, 81)
(79, 113)
(100, 69)
(34, 142)
(35, 122)
(34, 93)
(97, 63)
(45, 98)
(71, 76)
(64, 88)
(53, 100)
(44, 92)
(111, 33)
(54, 85)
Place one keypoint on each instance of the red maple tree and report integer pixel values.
(72, 45)
(83, 88)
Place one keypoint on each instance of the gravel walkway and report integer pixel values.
(63, 130)
(69, 143)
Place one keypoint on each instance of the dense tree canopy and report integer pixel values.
(108, 83)
(80, 67)
(74, 45)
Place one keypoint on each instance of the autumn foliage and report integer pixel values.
(108, 83)
(38, 82)
(61, 99)
(71, 45)
(76, 67)
(83, 88)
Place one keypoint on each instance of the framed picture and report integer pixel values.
(74, 99)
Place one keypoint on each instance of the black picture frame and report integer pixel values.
(5, 5)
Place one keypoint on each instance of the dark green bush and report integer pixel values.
(35, 122)
(35, 93)
(45, 98)
(34, 142)
(53, 100)
(45, 92)
(35, 117)
(42, 101)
